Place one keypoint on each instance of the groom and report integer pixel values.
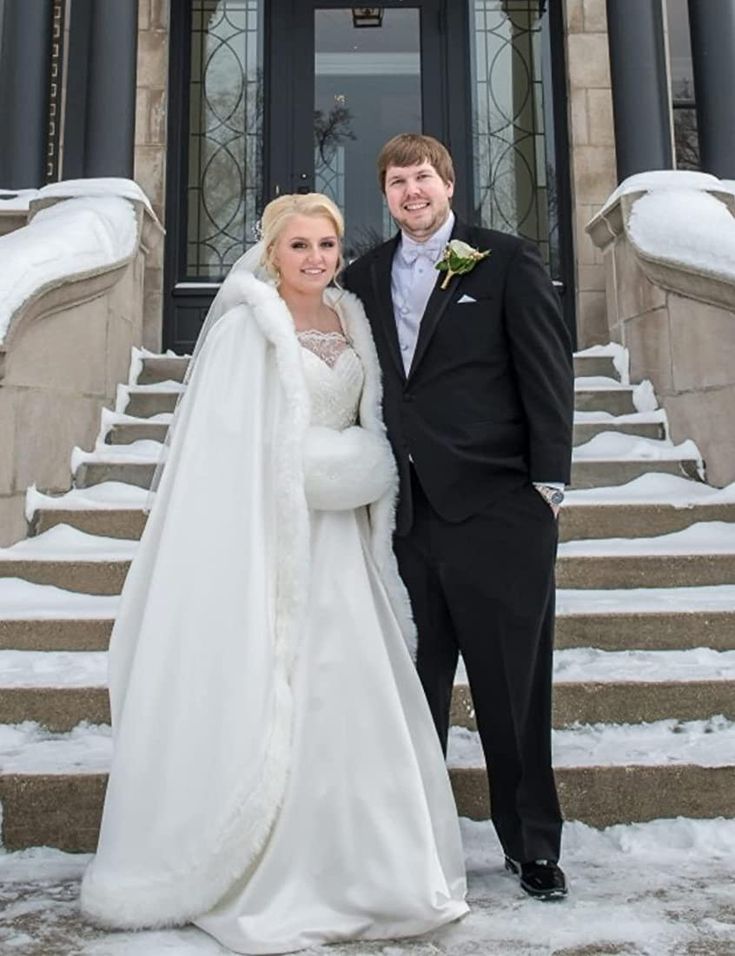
(478, 402)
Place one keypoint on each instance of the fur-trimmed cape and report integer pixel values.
(208, 629)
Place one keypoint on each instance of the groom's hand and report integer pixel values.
(553, 495)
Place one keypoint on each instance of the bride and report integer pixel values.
(276, 778)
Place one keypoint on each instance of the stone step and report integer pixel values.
(126, 433)
(594, 365)
(639, 571)
(593, 702)
(79, 575)
(61, 689)
(616, 401)
(625, 520)
(597, 473)
(611, 631)
(584, 431)
(164, 368)
(139, 473)
(144, 403)
(108, 522)
(63, 810)
(62, 708)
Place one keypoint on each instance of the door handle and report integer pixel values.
(304, 183)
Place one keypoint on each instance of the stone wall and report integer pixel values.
(592, 154)
(150, 144)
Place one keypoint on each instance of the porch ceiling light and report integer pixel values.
(367, 16)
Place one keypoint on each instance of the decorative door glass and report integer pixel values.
(225, 144)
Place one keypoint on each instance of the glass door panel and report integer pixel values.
(367, 88)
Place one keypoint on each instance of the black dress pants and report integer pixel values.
(484, 588)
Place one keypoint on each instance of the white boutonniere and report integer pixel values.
(459, 258)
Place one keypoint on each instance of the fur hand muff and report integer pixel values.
(346, 469)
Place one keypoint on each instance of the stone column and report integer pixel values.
(24, 90)
(712, 26)
(100, 108)
(592, 156)
(639, 86)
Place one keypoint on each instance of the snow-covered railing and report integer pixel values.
(74, 258)
(668, 240)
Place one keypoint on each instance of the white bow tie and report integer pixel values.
(410, 251)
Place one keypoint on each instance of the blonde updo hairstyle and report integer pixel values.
(278, 212)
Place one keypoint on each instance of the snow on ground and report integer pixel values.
(64, 543)
(704, 537)
(664, 888)
(617, 446)
(70, 238)
(22, 600)
(653, 488)
(31, 748)
(714, 597)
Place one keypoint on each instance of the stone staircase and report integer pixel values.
(645, 666)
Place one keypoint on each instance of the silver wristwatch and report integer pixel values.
(552, 496)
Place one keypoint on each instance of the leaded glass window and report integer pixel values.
(225, 133)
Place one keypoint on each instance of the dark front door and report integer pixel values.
(275, 96)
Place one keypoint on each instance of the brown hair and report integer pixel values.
(278, 211)
(412, 149)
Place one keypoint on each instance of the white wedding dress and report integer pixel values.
(366, 843)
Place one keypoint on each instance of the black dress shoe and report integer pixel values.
(541, 879)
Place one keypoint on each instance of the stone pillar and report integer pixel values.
(24, 90)
(712, 26)
(592, 155)
(100, 106)
(639, 86)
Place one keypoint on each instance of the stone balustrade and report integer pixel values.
(674, 314)
(65, 351)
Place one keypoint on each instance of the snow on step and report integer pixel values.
(594, 383)
(590, 665)
(53, 669)
(23, 601)
(107, 496)
(617, 446)
(141, 452)
(657, 417)
(109, 419)
(64, 543)
(30, 748)
(582, 664)
(694, 600)
(654, 488)
(704, 537)
(702, 743)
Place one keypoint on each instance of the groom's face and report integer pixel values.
(418, 199)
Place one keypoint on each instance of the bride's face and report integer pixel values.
(307, 254)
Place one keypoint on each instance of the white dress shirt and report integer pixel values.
(413, 277)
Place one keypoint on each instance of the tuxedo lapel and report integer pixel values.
(380, 273)
(437, 304)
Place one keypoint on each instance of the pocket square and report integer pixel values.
(465, 298)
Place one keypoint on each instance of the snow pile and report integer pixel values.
(617, 446)
(712, 598)
(53, 669)
(666, 181)
(619, 355)
(141, 452)
(695, 230)
(704, 537)
(31, 748)
(22, 600)
(653, 488)
(64, 543)
(71, 238)
(107, 495)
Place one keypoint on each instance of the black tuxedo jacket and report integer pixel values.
(488, 402)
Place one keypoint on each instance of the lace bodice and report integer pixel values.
(334, 377)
